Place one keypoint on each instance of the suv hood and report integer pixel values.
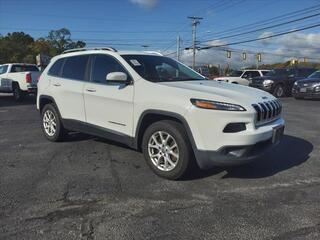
(221, 91)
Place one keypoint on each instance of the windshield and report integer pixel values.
(316, 74)
(161, 69)
(235, 74)
(277, 72)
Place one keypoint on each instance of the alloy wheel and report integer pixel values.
(49, 123)
(163, 151)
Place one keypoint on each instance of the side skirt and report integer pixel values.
(94, 130)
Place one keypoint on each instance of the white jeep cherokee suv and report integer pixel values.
(158, 105)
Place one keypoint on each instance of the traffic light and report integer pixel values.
(259, 57)
(228, 54)
(244, 56)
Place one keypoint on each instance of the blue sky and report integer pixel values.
(129, 24)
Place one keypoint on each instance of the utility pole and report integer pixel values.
(195, 22)
(178, 48)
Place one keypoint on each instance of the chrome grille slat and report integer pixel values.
(267, 111)
(274, 109)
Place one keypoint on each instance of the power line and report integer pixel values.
(262, 38)
(84, 18)
(92, 31)
(265, 28)
(270, 20)
(216, 6)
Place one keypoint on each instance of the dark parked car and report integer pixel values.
(308, 87)
(279, 82)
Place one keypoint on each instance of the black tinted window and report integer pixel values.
(104, 65)
(24, 68)
(250, 74)
(75, 67)
(264, 72)
(55, 70)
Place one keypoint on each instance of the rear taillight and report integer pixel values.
(28, 78)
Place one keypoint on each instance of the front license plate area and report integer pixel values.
(277, 133)
(303, 90)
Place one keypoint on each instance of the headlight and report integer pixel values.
(295, 83)
(206, 104)
(267, 82)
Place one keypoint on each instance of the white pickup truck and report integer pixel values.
(19, 78)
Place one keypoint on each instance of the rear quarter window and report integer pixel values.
(55, 70)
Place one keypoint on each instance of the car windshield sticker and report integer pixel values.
(135, 62)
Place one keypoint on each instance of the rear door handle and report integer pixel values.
(57, 84)
(90, 90)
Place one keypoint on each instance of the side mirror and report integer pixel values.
(117, 77)
(244, 76)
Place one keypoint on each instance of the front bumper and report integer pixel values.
(267, 88)
(308, 94)
(233, 155)
(239, 148)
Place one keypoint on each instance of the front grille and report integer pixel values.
(267, 111)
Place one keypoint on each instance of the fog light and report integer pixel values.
(234, 127)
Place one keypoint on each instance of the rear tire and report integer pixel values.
(18, 94)
(51, 124)
(167, 150)
(279, 91)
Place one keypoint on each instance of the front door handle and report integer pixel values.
(57, 84)
(90, 90)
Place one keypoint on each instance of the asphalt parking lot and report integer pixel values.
(90, 188)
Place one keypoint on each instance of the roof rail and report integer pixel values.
(88, 49)
(154, 52)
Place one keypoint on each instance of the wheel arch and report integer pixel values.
(151, 116)
(44, 100)
(13, 84)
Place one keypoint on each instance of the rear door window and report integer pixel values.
(75, 67)
(55, 70)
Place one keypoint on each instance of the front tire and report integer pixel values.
(279, 91)
(167, 150)
(51, 124)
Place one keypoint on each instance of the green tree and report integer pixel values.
(61, 40)
(15, 47)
